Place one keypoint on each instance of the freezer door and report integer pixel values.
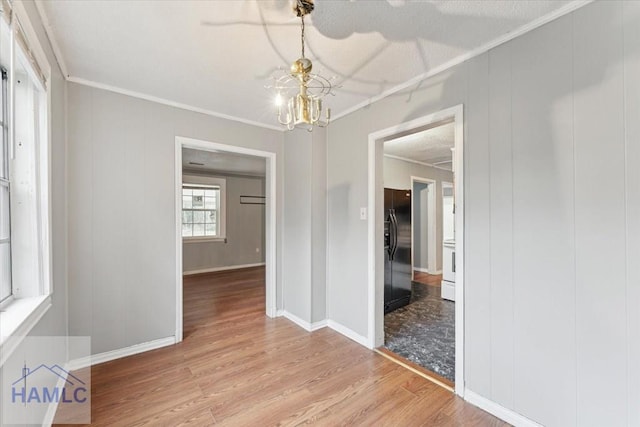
(402, 254)
(397, 275)
(388, 246)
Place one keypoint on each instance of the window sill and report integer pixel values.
(18, 319)
(203, 239)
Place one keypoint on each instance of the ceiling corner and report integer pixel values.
(55, 47)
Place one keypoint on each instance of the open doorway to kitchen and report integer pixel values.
(416, 243)
(225, 234)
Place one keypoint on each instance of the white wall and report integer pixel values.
(397, 174)
(305, 212)
(244, 228)
(121, 211)
(552, 215)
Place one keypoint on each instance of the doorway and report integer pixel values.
(219, 188)
(380, 237)
(423, 227)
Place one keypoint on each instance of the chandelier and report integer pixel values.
(299, 92)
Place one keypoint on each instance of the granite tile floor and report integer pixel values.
(424, 331)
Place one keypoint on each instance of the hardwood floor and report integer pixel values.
(427, 279)
(237, 367)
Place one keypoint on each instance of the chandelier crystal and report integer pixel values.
(299, 92)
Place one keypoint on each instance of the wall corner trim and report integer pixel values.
(319, 325)
(108, 356)
(499, 411)
(349, 333)
(307, 326)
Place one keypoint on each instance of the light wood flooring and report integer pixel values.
(426, 278)
(236, 367)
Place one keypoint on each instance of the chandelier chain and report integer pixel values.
(302, 34)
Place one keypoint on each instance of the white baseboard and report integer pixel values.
(120, 353)
(348, 333)
(308, 326)
(499, 411)
(319, 325)
(426, 270)
(214, 269)
(341, 329)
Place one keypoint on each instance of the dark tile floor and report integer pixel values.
(424, 331)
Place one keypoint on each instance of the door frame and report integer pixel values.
(375, 253)
(431, 223)
(270, 220)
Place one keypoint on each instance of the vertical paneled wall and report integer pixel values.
(501, 223)
(552, 214)
(305, 210)
(631, 71)
(297, 233)
(600, 229)
(542, 231)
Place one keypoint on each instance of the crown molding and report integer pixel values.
(169, 103)
(564, 10)
(404, 159)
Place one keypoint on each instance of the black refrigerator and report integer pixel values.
(397, 249)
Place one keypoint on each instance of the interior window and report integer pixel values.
(200, 211)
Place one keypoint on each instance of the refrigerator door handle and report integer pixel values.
(387, 237)
(391, 235)
(394, 234)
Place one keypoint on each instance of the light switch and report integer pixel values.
(363, 214)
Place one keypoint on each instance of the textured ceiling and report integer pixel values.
(432, 146)
(222, 162)
(218, 55)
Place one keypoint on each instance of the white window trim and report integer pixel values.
(20, 315)
(213, 182)
(18, 319)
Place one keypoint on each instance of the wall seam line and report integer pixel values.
(513, 281)
(490, 229)
(626, 210)
(575, 252)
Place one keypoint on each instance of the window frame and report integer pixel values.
(209, 182)
(22, 312)
(204, 209)
(5, 176)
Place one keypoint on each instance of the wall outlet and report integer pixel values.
(363, 214)
(257, 250)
